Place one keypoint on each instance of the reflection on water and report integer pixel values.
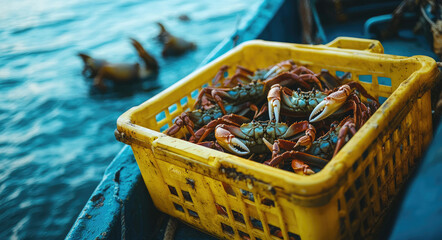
(56, 133)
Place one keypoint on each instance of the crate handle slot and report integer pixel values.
(359, 44)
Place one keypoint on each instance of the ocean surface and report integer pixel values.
(56, 130)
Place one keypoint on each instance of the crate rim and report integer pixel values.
(329, 179)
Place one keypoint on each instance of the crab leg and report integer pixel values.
(295, 129)
(180, 121)
(331, 81)
(280, 67)
(276, 148)
(220, 75)
(258, 112)
(241, 76)
(349, 126)
(203, 97)
(305, 157)
(231, 119)
(218, 95)
(311, 78)
(307, 140)
(302, 70)
(299, 159)
(287, 78)
(361, 89)
(355, 104)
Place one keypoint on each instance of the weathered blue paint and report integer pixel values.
(117, 208)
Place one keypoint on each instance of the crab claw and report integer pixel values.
(274, 102)
(324, 109)
(299, 167)
(229, 141)
(274, 107)
(330, 104)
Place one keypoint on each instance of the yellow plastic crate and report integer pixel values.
(232, 197)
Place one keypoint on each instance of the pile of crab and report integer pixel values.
(310, 115)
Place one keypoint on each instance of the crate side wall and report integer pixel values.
(377, 177)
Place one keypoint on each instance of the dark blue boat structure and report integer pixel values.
(121, 208)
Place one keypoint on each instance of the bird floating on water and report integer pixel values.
(100, 69)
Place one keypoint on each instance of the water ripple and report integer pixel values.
(27, 26)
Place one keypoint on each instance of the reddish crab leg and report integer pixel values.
(307, 140)
(258, 112)
(280, 67)
(311, 78)
(295, 129)
(203, 98)
(348, 126)
(307, 74)
(286, 78)
(276, 148)
(232, 119)
(220, 75)
(305, 157)
(302, 70)
(331, 81)
(241, 76)
(361, 89)
(180, 121)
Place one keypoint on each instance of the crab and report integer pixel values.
(252, 137)
(257, 89)
(298, 103)
(318, 153)
(196, 119)
(292, 103)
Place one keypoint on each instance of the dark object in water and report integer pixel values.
(173, 46)
(184, 18)
(100, 69)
